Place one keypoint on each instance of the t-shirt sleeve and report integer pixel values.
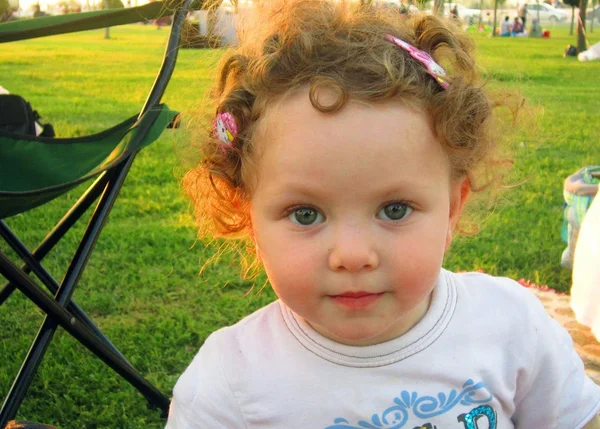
(202, 397)
(554, 392)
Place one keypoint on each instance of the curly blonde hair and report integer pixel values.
(289, 44)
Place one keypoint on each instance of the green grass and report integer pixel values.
(142, 284)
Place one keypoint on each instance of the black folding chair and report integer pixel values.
(34, 171)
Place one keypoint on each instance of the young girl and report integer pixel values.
(346, 153)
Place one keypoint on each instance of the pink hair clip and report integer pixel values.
(434, 69)
(225, 128)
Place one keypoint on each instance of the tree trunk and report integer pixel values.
(107, 29)
(572, 19)
(495, 20)
(480, 12)
(581, 45)
(438, 7)
(594, 17)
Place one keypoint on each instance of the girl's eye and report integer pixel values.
(305, 216)
(395, 211)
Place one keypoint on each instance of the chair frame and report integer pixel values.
(58, 306)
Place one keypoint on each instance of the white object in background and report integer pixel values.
(203, 22)
(592, 54)
(585, 291)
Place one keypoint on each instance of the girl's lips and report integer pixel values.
(355, 300)
(354, 294)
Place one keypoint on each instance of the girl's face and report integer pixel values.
(351, 214)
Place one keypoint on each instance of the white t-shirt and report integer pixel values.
(505, 27)
(485, 356)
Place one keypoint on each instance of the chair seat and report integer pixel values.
(35, 170)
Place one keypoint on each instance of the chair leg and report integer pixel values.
(57, 314)
(6, 291)
(81, 334)
(61, 228)
(33, 264)
(25, 376)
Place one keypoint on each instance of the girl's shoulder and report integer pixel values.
(506, 316)
(493, 287)
(500, 297)
(260, 321)
(254, 335)
(231, 360)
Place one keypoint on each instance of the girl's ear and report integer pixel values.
(459, 194)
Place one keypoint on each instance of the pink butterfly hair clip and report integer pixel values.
(225, 128)
(434, 69)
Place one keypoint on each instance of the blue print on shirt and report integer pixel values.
(422, 407)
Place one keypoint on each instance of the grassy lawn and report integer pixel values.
(142, 284)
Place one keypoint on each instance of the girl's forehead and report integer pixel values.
(294, 112)
(360, 139)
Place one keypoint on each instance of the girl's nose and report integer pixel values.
(353, 250)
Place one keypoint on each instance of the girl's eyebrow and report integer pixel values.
(412, 186)
(297, 190)
(318, 190)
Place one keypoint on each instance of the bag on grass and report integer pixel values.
(570, 51)
(17, 116)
